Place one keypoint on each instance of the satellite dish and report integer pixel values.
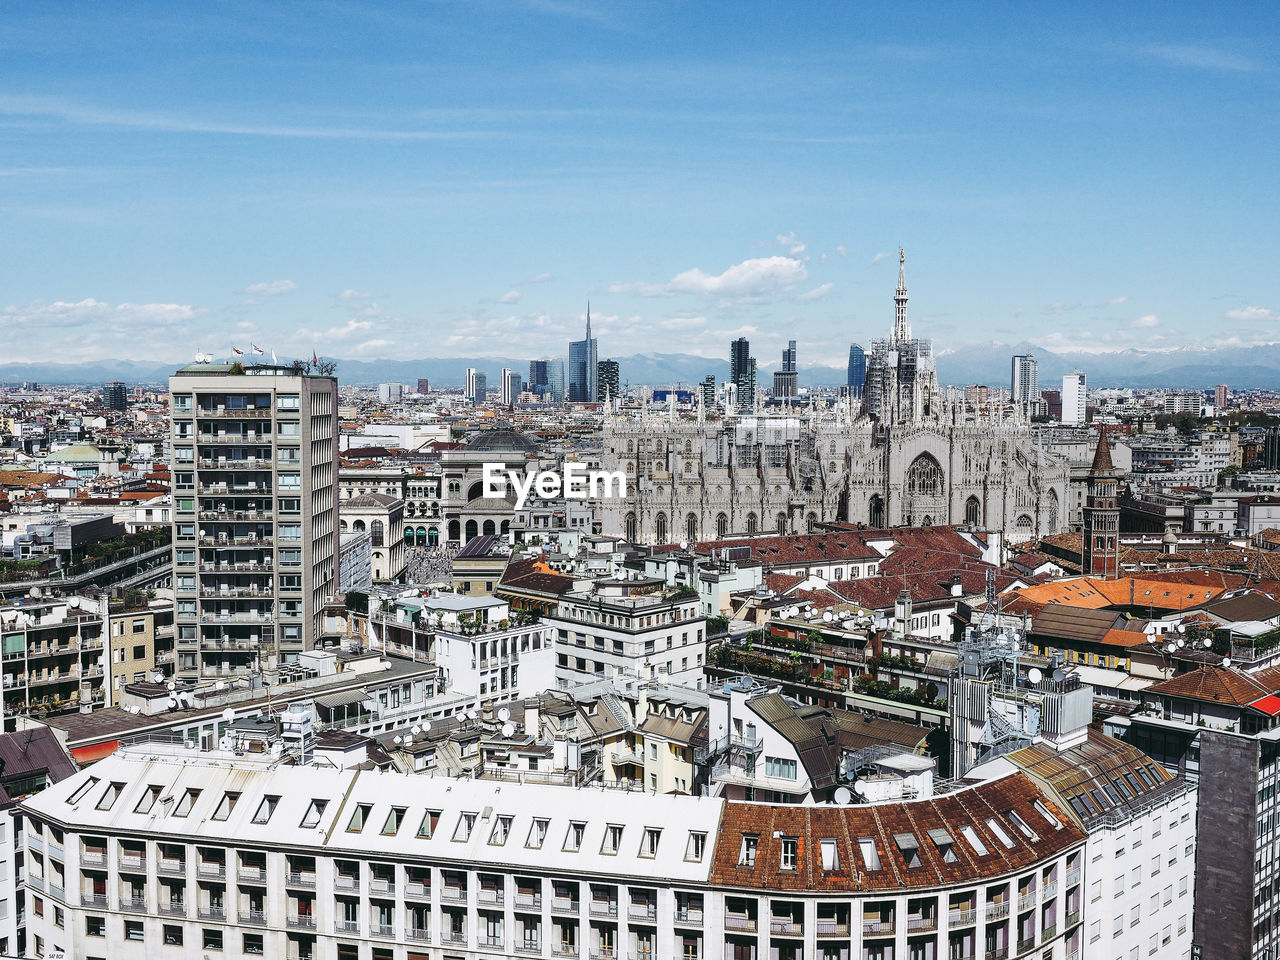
(73, 603)
(508, 729)
(172, 685)
(157, 677)
(842, 795)
(35, 592)
(861, 786)
(826, 615)
(228, 714)
(1207, 643)
(1226, 661)
(1034, 675)
(396, 739)
(426, 725)
(1059, 675)
(684, 544)
(504, 714)
(415, 730)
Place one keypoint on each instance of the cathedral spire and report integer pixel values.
(901, 331)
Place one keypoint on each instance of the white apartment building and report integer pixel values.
(255, 539)
(1074, 411)
(147, 853)
(484, 651)
(629, 626)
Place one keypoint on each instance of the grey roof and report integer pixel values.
(369, 500)
(502, 438)
(31, 752)
(1247, 606)
(481, 546)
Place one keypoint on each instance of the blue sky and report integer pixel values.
(436, 179)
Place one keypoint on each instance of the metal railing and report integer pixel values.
(878, 928)
(831, 928)
(962, 918)
(305, 921)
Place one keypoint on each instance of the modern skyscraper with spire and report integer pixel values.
(583, 368)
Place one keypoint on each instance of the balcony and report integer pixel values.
(382, 885)
(831, 928)
(490, 897)
(564, 950)
(878, 928)
(251, 874)
(174, 908)
(566, 905)
(1073, 917)
(414, 890)
(604, 908)
(997, 909)
(1025, 945)
(346, 926)
(998, 953)
(627, 755)
(295, 879)
(93, 900)
(1050, 890)
(57, 892)
(528, 901)
(922, 924)
(603, 953)
(454, 936)
(693, 916)
(1073, 876)
(1027, 901)
(35, 883)
(344, 881)
(418, 934)
(382, 929)
(212, 912)
(1049, 932)
(256, 918)
(306, 921)
(962, 918)
(643, 912)
(786, 927)
(495, 942)
(532, 948)
(134, 904)
(739, 924)
(215, 870)
(35, 843)
(171, 867)
(453, 894)
(55, 849)
(132, 863)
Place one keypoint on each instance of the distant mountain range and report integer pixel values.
(1193, 367)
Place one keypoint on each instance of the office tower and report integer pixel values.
(114, 396)
(607, 379)
(857, 370)
(1073, 399)
(742, 373)
(255, 540)
(546, 379)
(1220, 396)
(1024, 381)
(708, 387)
(784, 380)
(510, 386)
(424, 385)
(390, 392)
(583, 368)
(477, 386)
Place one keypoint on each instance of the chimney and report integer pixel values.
(957, 586)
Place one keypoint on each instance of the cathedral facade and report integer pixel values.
(905, 454)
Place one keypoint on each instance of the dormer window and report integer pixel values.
(225, 806)
(188, 801)
(790, 853)
(462, 831)
(537, 834)
(109, 796)
(265, 809)
(573, 836)
(358, 817)
(909, 847)
(649, 842)
(830, 855)
(747, 852)
(945, 845)
(612, 839)
(315, 810)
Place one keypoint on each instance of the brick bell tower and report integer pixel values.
(1100, 554)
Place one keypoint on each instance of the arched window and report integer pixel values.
(375, 533)
(751, 523)
(722, 525)
(433, 537)
(342, 525)
(782, 524)
(810, 521)
(504, 527)
(408, 535)
(455, 530)
(875, 511)
(972, 511)
(924, 477)
(473, 530)
(1023, 527)
(927, 521)
(660, 527)
(691, 527)
(475, 491)
(358, 526)
(629, 527)
(489, 529)
(1053, 511)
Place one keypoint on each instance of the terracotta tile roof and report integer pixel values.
(880, 824)
(1211, 684)
(1101, 455)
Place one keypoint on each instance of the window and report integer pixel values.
(573, 836)
(945, 845)
(133, 930)
(189, 798)
(148, 799)
(537, 834)
(358, 817)
(971, 837)
(265, 809)
(81, 790)
(747, 852)
(649, 842)
(225, 806)
(790, 853)
(462, 831)
(109, 796)
(696, 848)
(315, 810)
(395, 816)
(870, 855)
(430, 820)
(780, 767)
(95, 926)
(909, 847)
(1003, 835)
(253, 944)
(828, 849)
(501, 830)
(172, 935)
(212, 939)
(612, 839)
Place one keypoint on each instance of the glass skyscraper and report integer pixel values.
(857, 370)
(583, 369)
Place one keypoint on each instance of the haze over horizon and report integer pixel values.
(367, 181)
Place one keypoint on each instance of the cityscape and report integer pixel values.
(854, 533)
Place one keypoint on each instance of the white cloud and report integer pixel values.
(1150, 320)
(817, 293)
(793, 245)
(749, 278)
(539, 278)
(349, 295)
(511, 296)
(842, 250)
(1116, 301)
(1200, 57)
(1252, 313)
(272, 288)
